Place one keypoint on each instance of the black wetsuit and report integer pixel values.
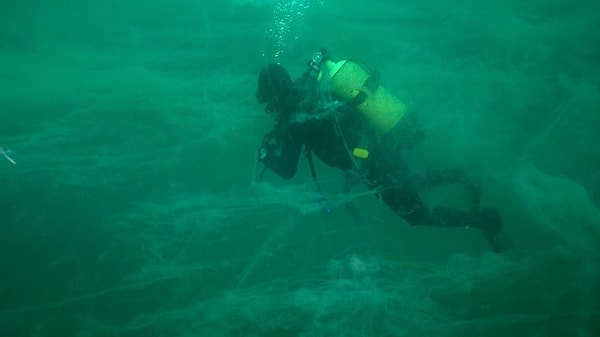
(303, 124)
(332, 133)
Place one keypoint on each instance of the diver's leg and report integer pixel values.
(451, 176)
(400, 193)
(487, 220)
(409, 205)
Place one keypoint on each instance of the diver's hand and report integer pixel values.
(269, 146)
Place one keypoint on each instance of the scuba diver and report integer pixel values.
(340, 112)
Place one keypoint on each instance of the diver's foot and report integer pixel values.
(490, 224)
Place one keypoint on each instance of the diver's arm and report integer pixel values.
(280, 152)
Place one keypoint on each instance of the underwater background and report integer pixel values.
(129, 204)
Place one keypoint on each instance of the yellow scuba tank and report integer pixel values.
(353, 84)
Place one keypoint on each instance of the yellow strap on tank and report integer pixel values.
(360, 153)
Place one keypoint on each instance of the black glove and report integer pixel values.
(270, 144)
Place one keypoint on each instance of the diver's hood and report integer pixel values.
(274, 84)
